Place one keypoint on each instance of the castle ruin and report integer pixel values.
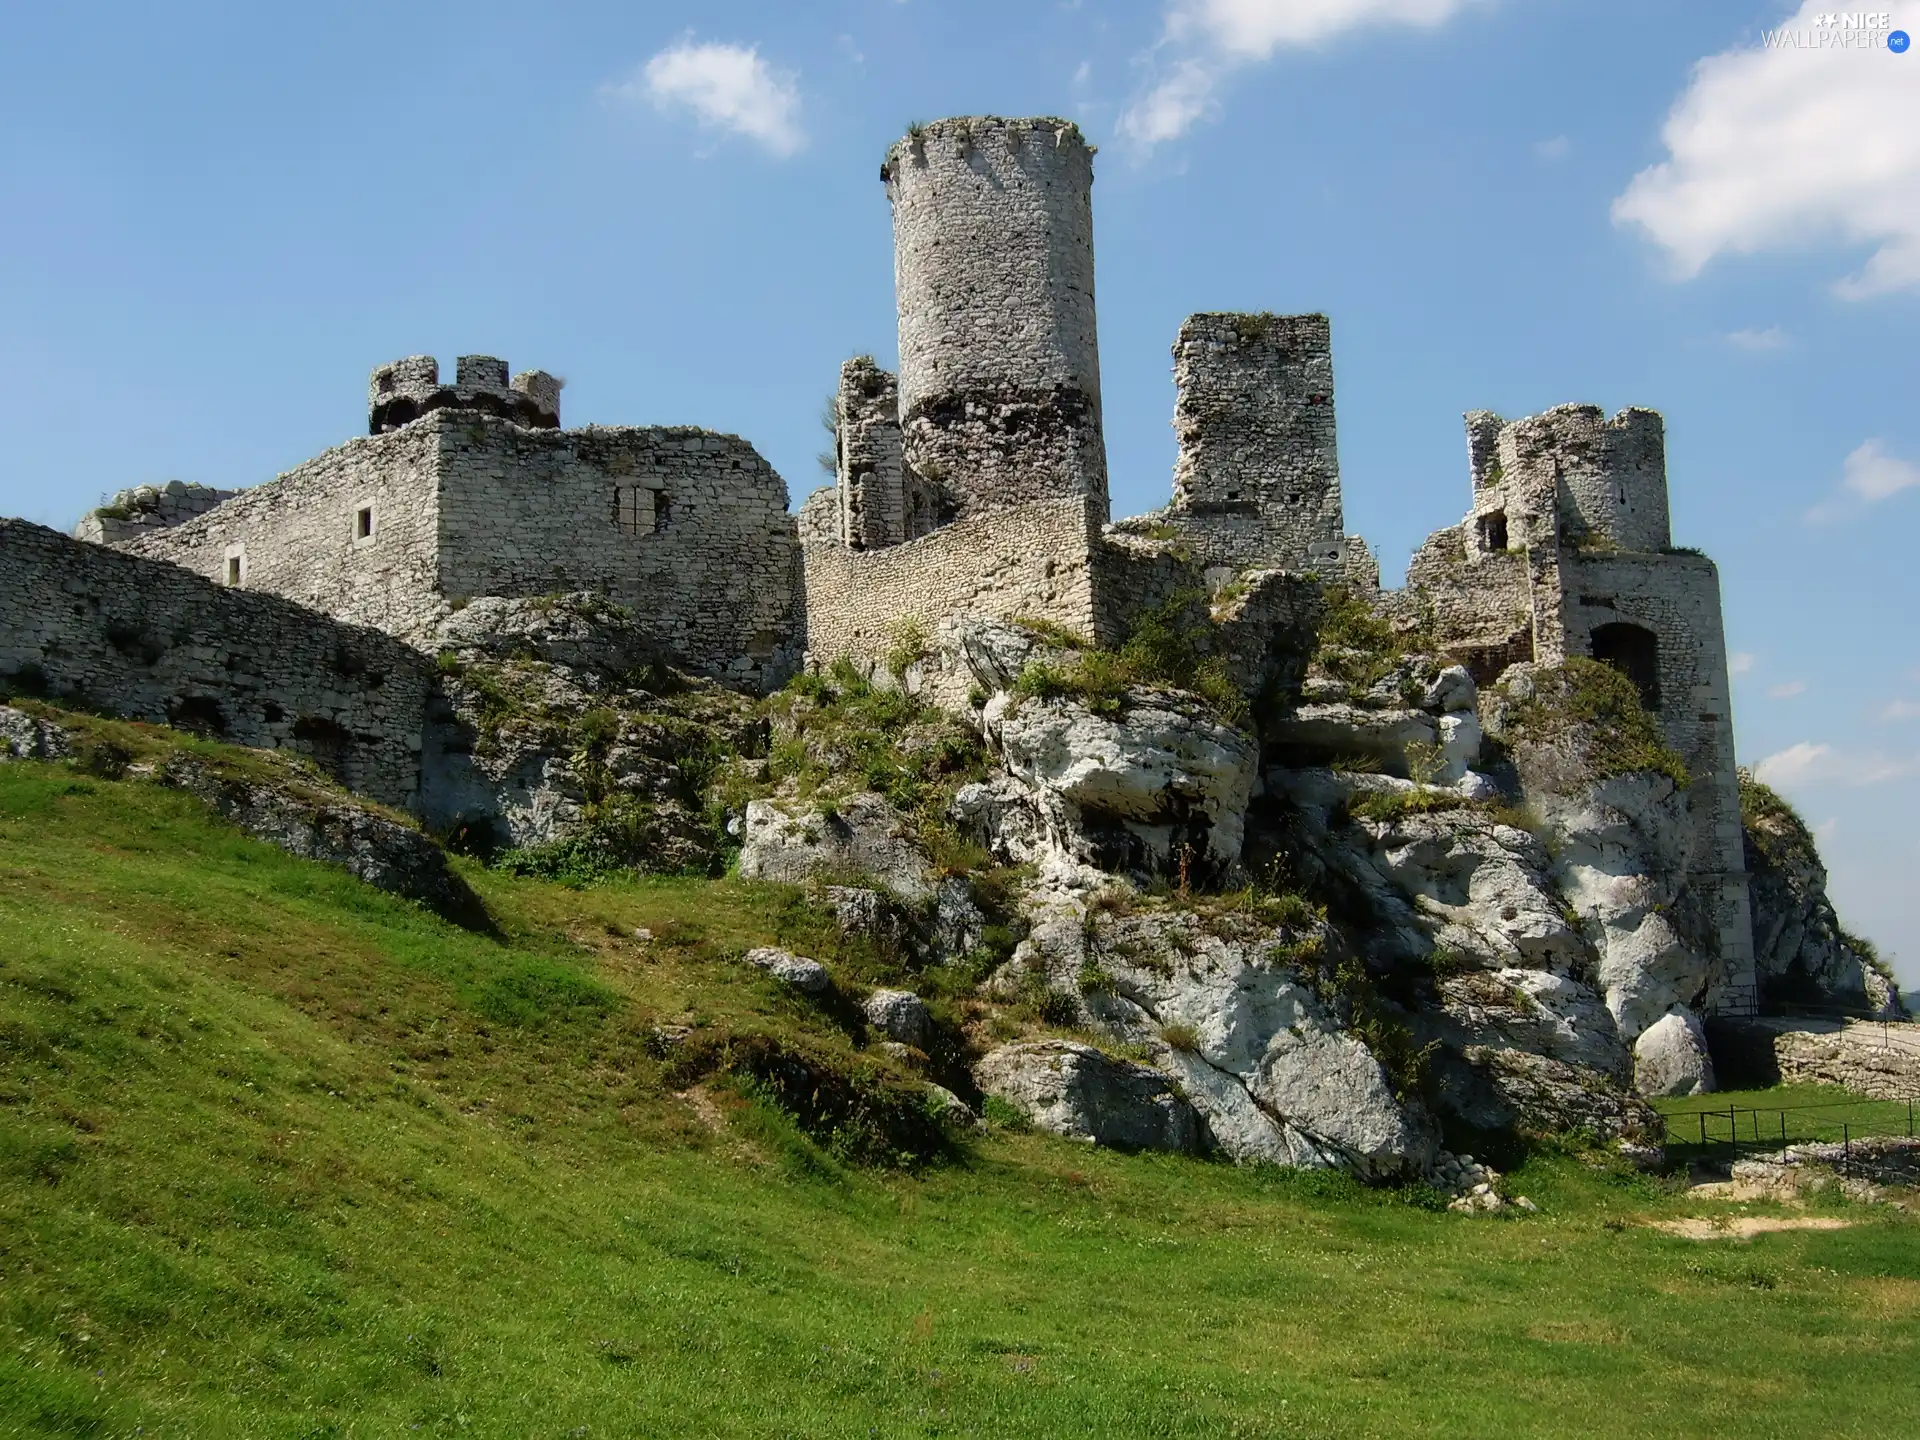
(972, 482)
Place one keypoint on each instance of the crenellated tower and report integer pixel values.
(406, 389)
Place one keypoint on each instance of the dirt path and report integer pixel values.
(1745, 1227)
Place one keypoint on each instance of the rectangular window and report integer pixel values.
(633, 510)
(363, 523)
(233, 570)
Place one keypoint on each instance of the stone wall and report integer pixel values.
(402, 392)
(688, 528)
(1677, 599)
(352, 533)
(149, 641)
(993, 277)
(881, 501)
(1025, 562)
(134, 512)
(1609, 476)
(1257, 482)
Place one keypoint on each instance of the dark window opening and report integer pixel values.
(1493, 532)
(200, 714)
(363, 523)
(326, 742)
(233, 570)
(272, 713)
(1634, 651)
(662, 509)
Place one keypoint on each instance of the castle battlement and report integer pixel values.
(402, 391)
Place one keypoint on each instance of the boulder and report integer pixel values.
(807, 976)
(1266, 1063)
(1670, 1057)
(860, 835)
(869, 915)
(1074, 1090)
(1160, 786)
(899, 1015)
(1452, 692)
(27, 737)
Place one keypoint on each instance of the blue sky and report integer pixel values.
(216, 218)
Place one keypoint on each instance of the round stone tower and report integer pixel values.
(993, 276)
(1609, 475)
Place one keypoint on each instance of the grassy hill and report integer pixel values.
(283, 1156)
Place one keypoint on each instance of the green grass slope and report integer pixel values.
(283, 1156)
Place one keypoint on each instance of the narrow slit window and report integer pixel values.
(233, 570)
(363, 523)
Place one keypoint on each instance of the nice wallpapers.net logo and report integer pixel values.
(1843, 30)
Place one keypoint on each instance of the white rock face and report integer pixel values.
(863, 835)
(1485, 883)
(1316, 734)
(1166, 774)
(1621, 858)
(1073, 1090)
(1275, 1079)
(1670, 1057)
(807, 976)
(899, 1015)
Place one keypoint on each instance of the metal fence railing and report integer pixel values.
(1858, 1127)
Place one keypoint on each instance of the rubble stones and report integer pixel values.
(809, 977)
(899, 1015)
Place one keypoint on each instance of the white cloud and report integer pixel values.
(1203, 41)
(1867, 476)
(1558, 148)
(1788, 690)
(1771, 338)
(1740, 662)
(724, 87)
(1809, 764)
(1902, 710)
(1872, 474)
(1777, 147)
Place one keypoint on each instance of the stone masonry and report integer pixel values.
(993, 275)
(398, 528)
(1567, 553)
(974, 482)
(133, 512)
(91, 625)
(1257, 481)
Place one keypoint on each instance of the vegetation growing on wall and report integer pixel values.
(1166, 647)
(1593, 706)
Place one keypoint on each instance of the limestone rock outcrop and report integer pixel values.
(1801, 951)
(1160, 786)
(859, 835)
(1072, 1089)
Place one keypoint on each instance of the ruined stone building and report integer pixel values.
(972, 482)
(473, 489)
